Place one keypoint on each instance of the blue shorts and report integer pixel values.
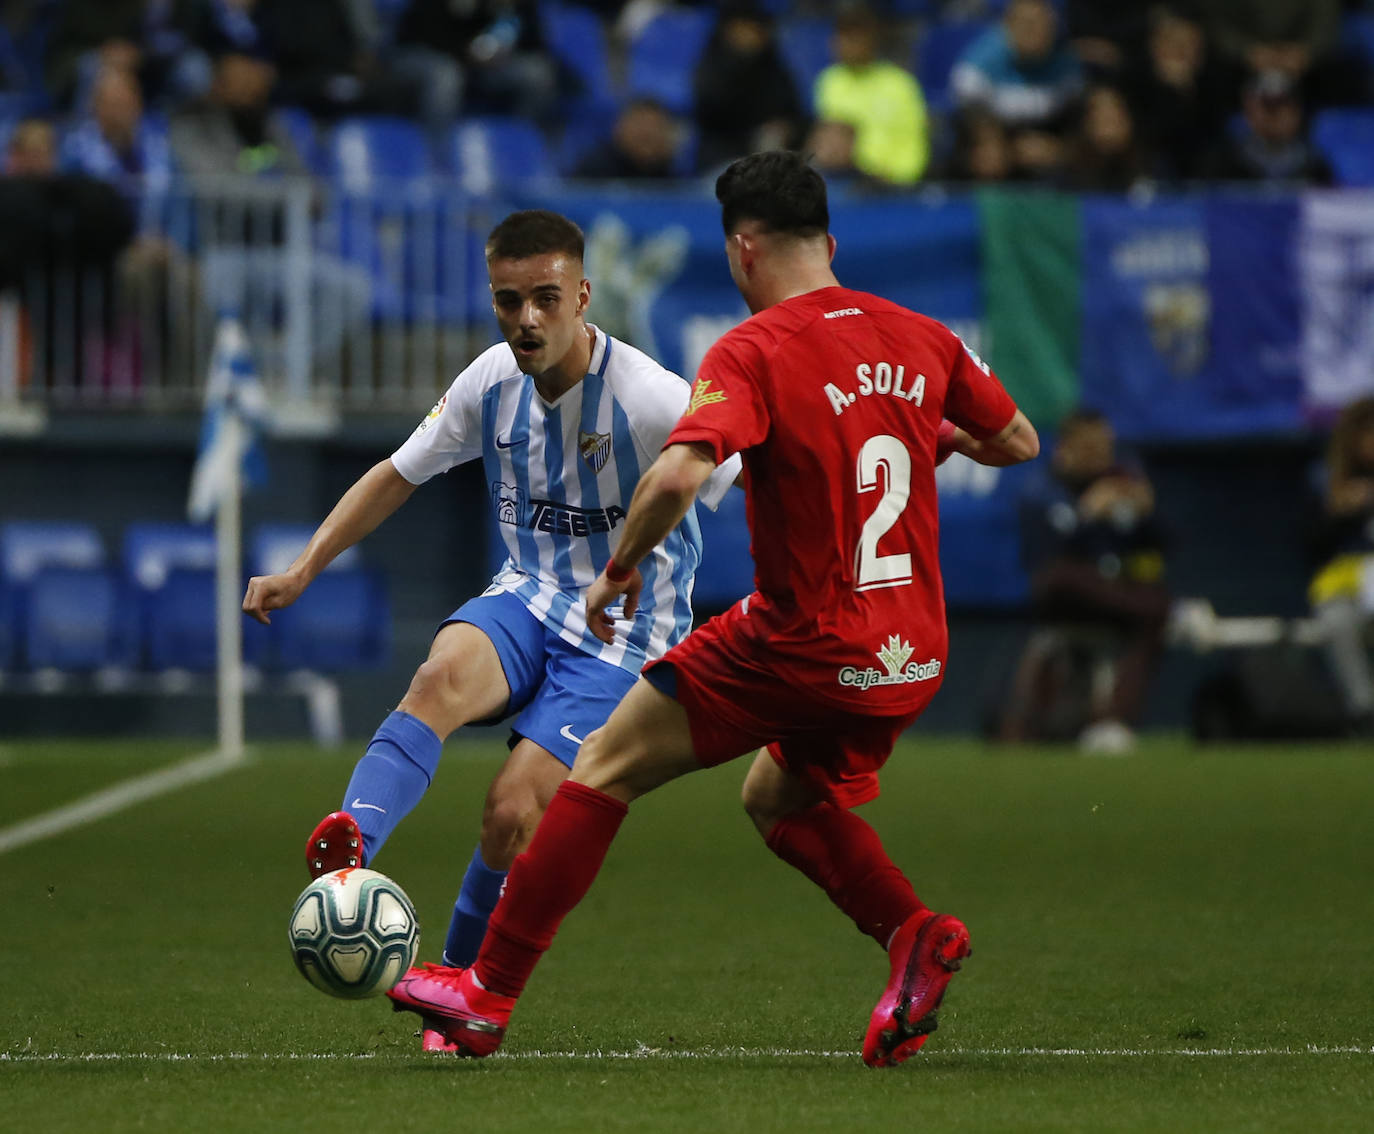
(560, 692)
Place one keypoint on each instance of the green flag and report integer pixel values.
(1031, 243)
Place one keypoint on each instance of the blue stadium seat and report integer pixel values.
(26, 548)
(364, 153)
(664, 56)
(299, 124)
(153, 550)
(274, 547)
(341, 622)
(1345, 137)
(726, 573)
(805, 46)
(492, 153)
(76, 619)
(938, 52)
(577, 39)
(179, 625)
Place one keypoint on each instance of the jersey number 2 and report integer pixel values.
(883, 463)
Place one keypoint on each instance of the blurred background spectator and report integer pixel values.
(477, 56)
(325, 53)
(1106, 35)
(1094, 549)
(1025, 74)
(644, 145)
(831, 147)
(1105, 154)
(745, 97)
(115, 141)
(1271, 143)
(879, 99)
(1342, 592)
(1178, 92)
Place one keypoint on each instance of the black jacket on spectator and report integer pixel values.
(735, 95)
(67, 221)
(451, 27)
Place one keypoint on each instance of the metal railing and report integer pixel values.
(351, 301)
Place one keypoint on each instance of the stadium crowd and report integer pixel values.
(1073, 93)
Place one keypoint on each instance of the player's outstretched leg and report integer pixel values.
(458, 1015)
(334, 844)
(926, 952)
(391, 778)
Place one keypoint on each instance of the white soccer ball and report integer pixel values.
(353, 933)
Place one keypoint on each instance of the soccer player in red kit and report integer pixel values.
(837, 401)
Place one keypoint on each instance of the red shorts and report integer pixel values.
(736, 703)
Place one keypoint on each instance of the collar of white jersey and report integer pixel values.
(601, 350)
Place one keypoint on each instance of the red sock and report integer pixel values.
(844, 857)
(545, 882)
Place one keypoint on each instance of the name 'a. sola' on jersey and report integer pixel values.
(560, 477)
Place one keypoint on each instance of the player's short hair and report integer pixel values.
(534, 232)
(778, 189)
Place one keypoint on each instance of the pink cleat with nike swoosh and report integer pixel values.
(458, 1014)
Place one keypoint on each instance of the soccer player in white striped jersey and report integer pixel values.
(565, 419)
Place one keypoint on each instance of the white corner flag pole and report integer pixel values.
(228, 629)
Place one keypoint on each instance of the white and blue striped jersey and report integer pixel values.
(561, 476)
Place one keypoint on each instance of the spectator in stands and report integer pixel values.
(63, 232)
(882, 101)
(830, 147)
(1094, 549)
(1179, 93)
(116, 142)
(1272, 143)
(478, 56)
(982, 153)
(1024, 75)
(1342, 592)
(89, 34)
(1105, 36)
(233, 131)
(324, 52)
(1105, 154)
(643, 146)
(1297, 38)
(745, 96)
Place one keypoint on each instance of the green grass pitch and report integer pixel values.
(1180, 940)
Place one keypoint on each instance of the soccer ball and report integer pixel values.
(353, 933)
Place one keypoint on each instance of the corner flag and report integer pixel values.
(235, 410)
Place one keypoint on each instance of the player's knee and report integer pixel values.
(761, 803)
(435, 693)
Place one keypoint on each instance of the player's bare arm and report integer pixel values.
(660, 502)
(1018, 442)
(373, 497)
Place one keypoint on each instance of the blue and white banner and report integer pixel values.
(1336, 260)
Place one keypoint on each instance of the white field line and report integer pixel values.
(117, 797)
(649, 1054)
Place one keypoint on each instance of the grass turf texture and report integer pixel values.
(1189, 923)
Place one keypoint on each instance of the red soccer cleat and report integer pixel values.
(925, 953)
(334, 844)
(470, 1020)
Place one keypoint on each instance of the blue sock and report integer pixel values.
(472, 910)
(391, 777)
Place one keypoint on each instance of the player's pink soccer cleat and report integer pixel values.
(457, 1014)
(334, 844)
(925, 953)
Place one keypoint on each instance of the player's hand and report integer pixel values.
(271, 592)
(602, 594)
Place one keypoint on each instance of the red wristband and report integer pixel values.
(616, 573)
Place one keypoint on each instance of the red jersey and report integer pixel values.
(834, 398)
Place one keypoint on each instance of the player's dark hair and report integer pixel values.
(534, 232)
(776, 188)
